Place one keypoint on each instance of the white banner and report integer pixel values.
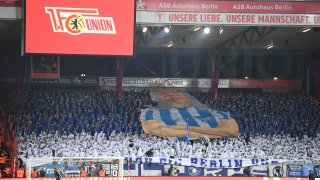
(206, 163)
(153, 17)
(162, 82)
(259, 171)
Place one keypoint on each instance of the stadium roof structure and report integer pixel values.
(245, 38)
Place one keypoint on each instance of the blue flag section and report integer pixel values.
(205, 163)
(192, 116)
(188, 122)
(216, 172)
(306, 169)
(294, 171)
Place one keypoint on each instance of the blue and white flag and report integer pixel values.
(191, 122)
(192, 116)
(178, 114)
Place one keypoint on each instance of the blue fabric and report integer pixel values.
(166, 117)
(212, 121)
(187, 117)
(149, 115)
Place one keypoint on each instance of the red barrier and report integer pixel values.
(16, 3)
(262, 83)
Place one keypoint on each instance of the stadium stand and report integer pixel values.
(86, 122)
(268, 113)
(282, 126)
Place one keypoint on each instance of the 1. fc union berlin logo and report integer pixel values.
(76, 21)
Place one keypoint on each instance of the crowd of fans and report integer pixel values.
(74, 110)
(98, 145)
(268, 113)
(86, 122)
(3, 155)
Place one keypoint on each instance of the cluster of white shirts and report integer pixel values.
(86, 145)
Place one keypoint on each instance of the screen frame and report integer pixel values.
(23, 38)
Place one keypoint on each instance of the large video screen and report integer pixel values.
(95, 27)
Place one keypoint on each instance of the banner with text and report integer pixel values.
(153, 17)
(262, 83)
(294, 170)
(229, 6)
(228, 13)
(162, 82)
(207, 163)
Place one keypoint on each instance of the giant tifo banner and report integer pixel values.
(228, 12)
(178, 114)
(199, 83)
(80, 27)
(11, 3)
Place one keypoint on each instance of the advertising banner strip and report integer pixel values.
(16, 3)
(159, 82)
(207, 163)
(261, 83)
(45, 75)
(229, 6)
(80, 27)
(152, 17)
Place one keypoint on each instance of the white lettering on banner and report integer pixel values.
(209, 6)
(228, 18)
(163, 82)
(223, 83)
(206, 163)
(258, 7)
(229, 6)
(76, 21)
(283, 7)
(185, 6)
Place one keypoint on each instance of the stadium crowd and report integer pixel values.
(98, 145)
(268, 113)
(84, 122)
(74, 110)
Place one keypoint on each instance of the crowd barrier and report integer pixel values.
(269, 170)
(277, 169)
(165, 178)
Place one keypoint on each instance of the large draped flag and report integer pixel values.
(179, 114)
